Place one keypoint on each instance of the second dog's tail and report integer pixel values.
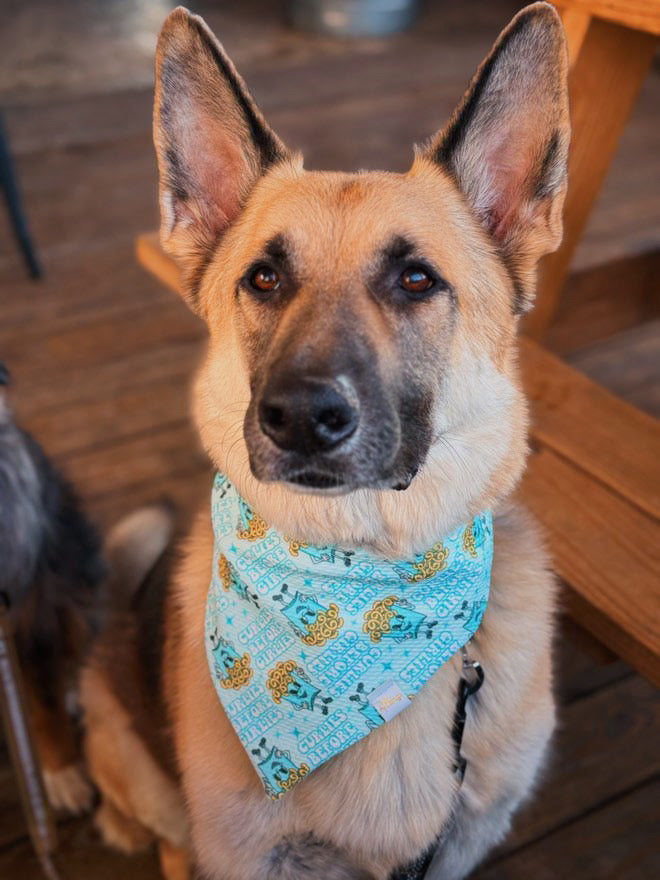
(133, 548)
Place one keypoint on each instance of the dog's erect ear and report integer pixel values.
(507, 143)
(211, 139)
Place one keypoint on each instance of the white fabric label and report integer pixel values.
(388, 700)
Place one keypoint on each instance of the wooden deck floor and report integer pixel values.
(102, 355)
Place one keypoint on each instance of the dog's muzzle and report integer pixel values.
(334, 426)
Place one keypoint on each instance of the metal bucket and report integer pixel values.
(353, 18)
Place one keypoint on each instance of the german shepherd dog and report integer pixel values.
(360, 388)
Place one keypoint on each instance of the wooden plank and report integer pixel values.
(617, 841)
(593, 307)
(95, 341)
(293, 83)
(101, 280)
(606, 437)
(152, 363)
(576, 24)
(643, 15)
(607, 551)
(606, 744)
(588, 643)
(152, 257)
(73, 121)
(88, 193)
(576, 674)
(188, 490)
(604, 83)
(137, 461)
(81, 856)
(627, 365)
(67, 430)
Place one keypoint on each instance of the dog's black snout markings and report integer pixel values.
(307, 415)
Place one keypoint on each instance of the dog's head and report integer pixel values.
(362, 326)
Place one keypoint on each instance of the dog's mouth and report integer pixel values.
(403, 484)
(330, 438)
(317, 480)
(325, 483)
(380, 462)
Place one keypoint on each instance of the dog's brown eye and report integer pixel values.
(416, 280)
(265, 279)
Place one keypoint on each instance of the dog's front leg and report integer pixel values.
(303, 857)
(472, 833)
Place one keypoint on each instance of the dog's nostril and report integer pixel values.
(333, 419)
(274, 416)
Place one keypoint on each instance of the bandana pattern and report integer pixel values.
(311, 648)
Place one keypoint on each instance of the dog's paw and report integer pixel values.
(69, 789)
(120, 831)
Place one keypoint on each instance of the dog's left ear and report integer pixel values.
(212, 142)
(507, 143)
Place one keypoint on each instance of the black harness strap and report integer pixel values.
(472, 677)
(470, 681)
(417, 869)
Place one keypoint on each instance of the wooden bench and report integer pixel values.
(611, 44)
(593, 482)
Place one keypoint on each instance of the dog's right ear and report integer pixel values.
(212, 142)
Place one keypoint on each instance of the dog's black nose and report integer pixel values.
(307, 415)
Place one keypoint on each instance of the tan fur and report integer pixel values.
(125, 746)
(482, 206)
(174, 861)
(129, 777)
(69, 788)
(387, 797)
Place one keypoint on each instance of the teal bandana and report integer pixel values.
(311, 648)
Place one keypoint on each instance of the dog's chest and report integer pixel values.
(389, 794)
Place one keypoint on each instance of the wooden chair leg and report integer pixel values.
(605, 79)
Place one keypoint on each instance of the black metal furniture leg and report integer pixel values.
(9, 186)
